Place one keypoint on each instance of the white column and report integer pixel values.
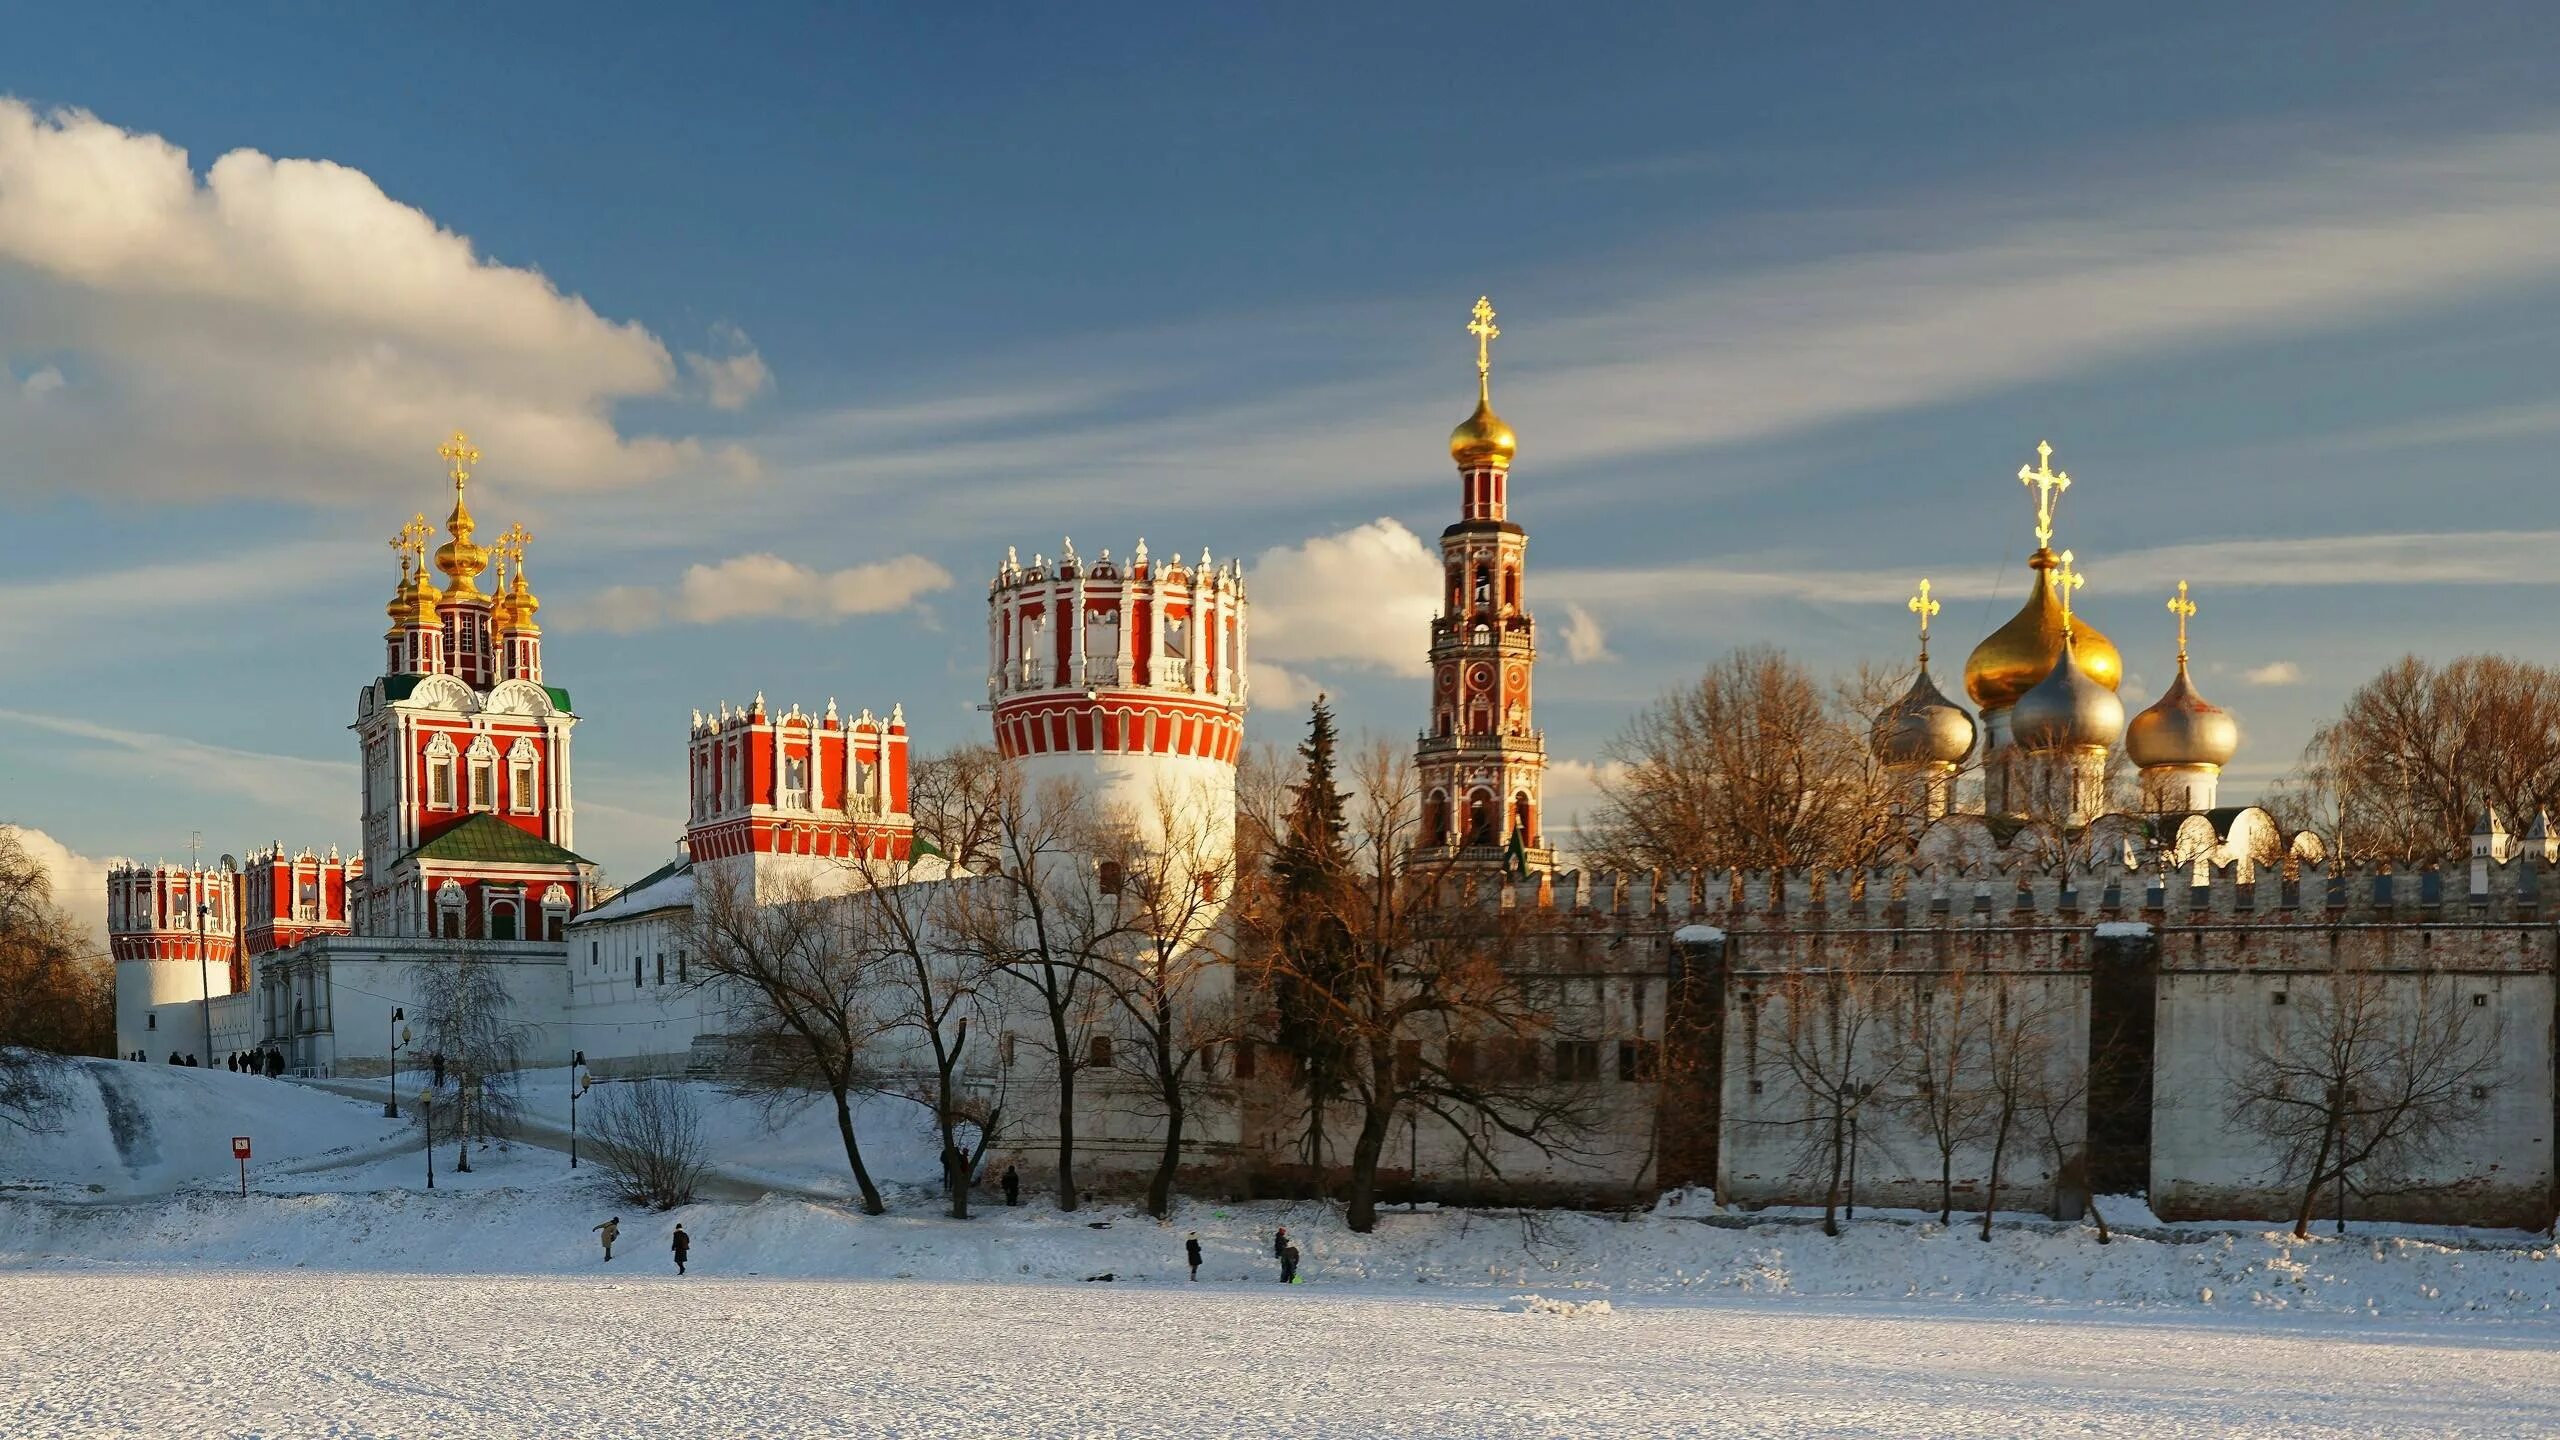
(1156, 591)
(1076, 603)
(1204, 630)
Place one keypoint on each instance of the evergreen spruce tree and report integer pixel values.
(1309, 868)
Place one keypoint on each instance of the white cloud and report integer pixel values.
(2279, 672)
(1275, 688)
(757, 586)
(44, 381)
(735, 375)
(1584, 641)
(282, 327)
(79, 881)
(1363, 597)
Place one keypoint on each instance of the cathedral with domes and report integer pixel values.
(2034, 774)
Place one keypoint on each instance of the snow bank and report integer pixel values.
(142, 1129)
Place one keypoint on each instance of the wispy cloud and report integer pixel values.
(747, 587)
(322, 789)
(2003, 291)
(2274, 672)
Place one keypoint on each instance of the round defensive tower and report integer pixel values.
(1126, 678)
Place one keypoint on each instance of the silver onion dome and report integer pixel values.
(1923, 727)
(2066, 709)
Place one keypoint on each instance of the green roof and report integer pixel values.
(400, 687)
(488, 840)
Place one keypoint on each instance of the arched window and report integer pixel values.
(1484, 587)
(1457, 590)
(1481, 818)
(1482, 634)
(484, 775)
(1520, 815)
(1435, 808)
(522, 770)
(502, 920)
(440, 757)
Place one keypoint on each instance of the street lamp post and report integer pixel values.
(427, 1117)
(577, 1087)
(391, 1090)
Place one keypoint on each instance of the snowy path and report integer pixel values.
(304, 1353)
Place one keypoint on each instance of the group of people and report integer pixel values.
(269, 1063)
(1283, 1249)
(611, 1230)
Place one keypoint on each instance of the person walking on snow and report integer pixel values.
(1012, 1186)
(683, 1246)
(1191, 1252)
(1280, 1242)
(1289, 1265)
(611, 1230)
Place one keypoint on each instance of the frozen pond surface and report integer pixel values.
(142, 1351)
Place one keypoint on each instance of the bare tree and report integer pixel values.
(2021, 1036)
(1039, 914)
(958, 800)
(2419, 752)
(1437, 1016)
(934, 990)
(2361, 1076)
(1171, 971)
(1751, 767)
(57, 993)
(463, 1002)
(648, 1135)
(1942, 1043)
(1827, 1028)
(804, 994)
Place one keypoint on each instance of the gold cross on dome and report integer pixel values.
(514, 541)
(2047, 483)
(2066, 580)
(1486, 332)
(413, 539)
(459, 453)
(2184, 609)
(1924, 607)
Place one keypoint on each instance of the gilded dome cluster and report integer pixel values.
(2045, 682)
(415, 599)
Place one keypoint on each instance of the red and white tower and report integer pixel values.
(1481, 764)
(467, 798)
(778, 796)
(1127, 679)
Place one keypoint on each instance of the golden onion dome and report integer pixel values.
(517, 606)
(1924, 727)
(1483, 437)
(2068, 709)
(460, 560)
(413, 601)
(2182, 728)
(2012, 659)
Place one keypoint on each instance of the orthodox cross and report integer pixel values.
(513, 543)
(1486, 332)
(459, 453)
(2184, 609)
(2066, 580)
(400, 539)
(1924, 607)
(2047, 483)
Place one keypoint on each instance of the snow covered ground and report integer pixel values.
(299, 1353)
(141, 1294)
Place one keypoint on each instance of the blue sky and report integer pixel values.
(836, 306)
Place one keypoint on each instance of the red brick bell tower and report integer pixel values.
(1480, 762)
